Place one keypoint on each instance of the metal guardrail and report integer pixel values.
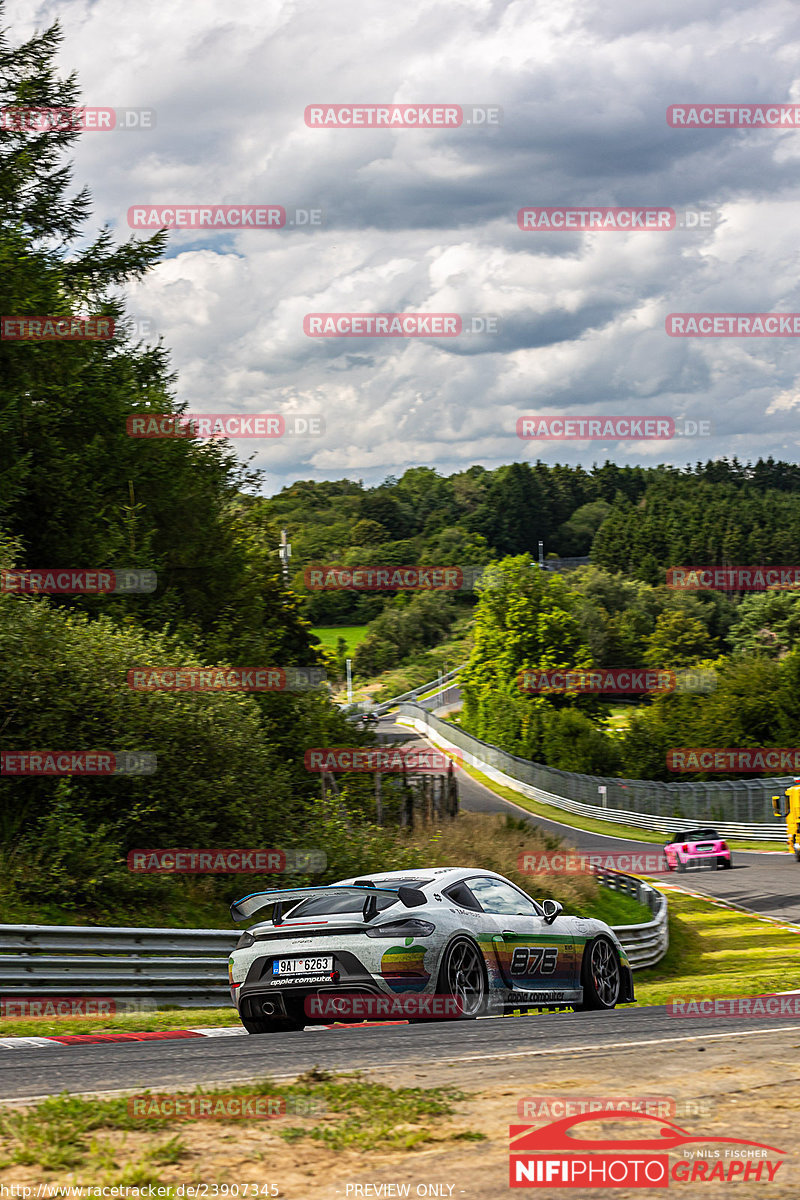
(732, 806)
(646, 944)
(385, 705)
(188, 967)
(185, 967)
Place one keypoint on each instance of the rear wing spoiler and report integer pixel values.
(244, 908)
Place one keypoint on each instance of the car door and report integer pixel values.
(533, 956)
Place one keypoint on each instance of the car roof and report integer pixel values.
(442, 876)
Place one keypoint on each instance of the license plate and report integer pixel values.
(302, 966)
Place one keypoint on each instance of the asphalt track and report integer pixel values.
(397, 1050)
(769, 884)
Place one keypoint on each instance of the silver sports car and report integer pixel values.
(415, 937)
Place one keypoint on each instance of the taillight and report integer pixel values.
(685, 847)
(724, 845)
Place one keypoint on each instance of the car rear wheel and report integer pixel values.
(600, 976)
(725, 863)
(681, 866)
(462, 974)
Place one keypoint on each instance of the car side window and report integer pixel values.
(461, 895)
(499, 897)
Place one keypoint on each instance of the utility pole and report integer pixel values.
(284, 553)
(349, 662)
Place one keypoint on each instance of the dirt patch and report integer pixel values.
(744, 1087)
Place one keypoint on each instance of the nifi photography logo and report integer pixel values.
(557, 1156)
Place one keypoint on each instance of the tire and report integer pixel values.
(727, 863)
(680, 866)
(797, 855)
(462, 973)
(601, 976)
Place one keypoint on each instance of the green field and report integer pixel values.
(330, 634)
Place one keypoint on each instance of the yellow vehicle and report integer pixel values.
(788, 806)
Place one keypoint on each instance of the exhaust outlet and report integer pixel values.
(268, 1008)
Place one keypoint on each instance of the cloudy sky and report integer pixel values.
(426, 220)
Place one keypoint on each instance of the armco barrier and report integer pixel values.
(738, 808)
(647, 943)
(188, 967)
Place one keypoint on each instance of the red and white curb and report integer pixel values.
(86, 1039)
(98, 1039)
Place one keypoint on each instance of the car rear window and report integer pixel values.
(699, 835)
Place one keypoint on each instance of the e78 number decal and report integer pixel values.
(537, 961)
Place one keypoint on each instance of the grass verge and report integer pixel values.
(105, 1139)
(134, 1022)
(719, 951)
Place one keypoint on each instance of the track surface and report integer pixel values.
(767, 883)
(397, 1049)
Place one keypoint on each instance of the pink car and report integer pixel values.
(697, 847)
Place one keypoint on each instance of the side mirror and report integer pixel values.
(551, 909)
(411, 897)
(779, 806)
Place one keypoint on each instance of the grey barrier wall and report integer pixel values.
(647, 943)
(738, 808)
(145, 968)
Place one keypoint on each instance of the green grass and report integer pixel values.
(719, 951)
(330, 634)
(591, 824)
(144, 1022)
(67, 1132)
